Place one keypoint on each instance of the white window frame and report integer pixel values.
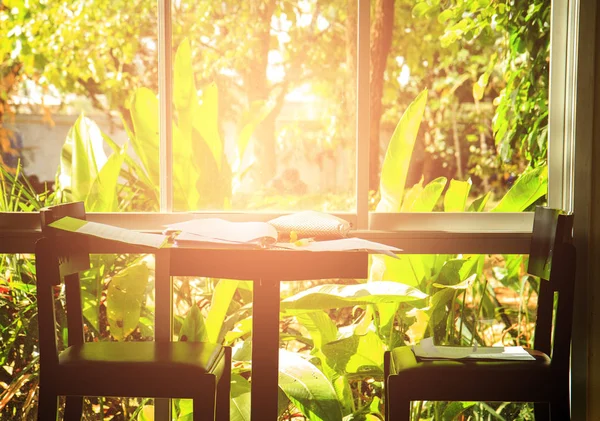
(563, 70)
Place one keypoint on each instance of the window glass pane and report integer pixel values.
(275, 129)
(483, 134)
(73, 80)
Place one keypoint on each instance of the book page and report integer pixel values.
(220, 229)
(426, 349)
(109, 232)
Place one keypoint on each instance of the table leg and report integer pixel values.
(265, 351)
(163, 316)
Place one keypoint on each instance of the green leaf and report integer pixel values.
(144, 114)
(221, 299)
(184, 86)
(206, 122)
(398, 155)
(328, 296)
(437, 308)
(461, 285)
(320, 327)
(193, 328)
(356, 354)
(478, 204)
(240, 398)
(82, 157)
(456, 196)
(454, 409)
(124, 299)
(308, 388)
(429, 196)
(103, 195)
(450, 272)
(480, 85)
(528, 188)
(241, 328)
(406, 269)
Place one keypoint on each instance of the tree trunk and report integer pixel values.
(381, 42)
(351, 62)
(258, 89)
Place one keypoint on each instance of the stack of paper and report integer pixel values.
(426, 349)
(344, 244)
(220, 231)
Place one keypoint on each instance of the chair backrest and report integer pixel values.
(552, 259)
(59, 258)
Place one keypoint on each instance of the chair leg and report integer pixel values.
(47, 406)
(541, 410)
(205, 403)
(224, 388)
(560, 410)
(73, 408)
(399, 409)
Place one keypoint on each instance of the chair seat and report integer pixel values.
(471, 379)
(151, 369)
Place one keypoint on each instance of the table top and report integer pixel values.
(239, 263)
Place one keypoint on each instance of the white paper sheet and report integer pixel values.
(426, 349)
(220, 229)
(109, 232)
(344, 244)
(184, 238)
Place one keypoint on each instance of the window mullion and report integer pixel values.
(362, 114)
(165, 89)
(558, 104)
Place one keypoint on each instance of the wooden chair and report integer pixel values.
(544, 381)
(201, 371)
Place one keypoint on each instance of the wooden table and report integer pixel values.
(267, 268)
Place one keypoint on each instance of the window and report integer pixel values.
(279, 104)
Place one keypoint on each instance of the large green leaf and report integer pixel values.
(528, 188)
(454, 409)
(450, 272)
(320, 327)
(124, 299)
(193, 328)
(406, 269)
(327, 296)
(82, 157)
(144, 114)
(103, 195)
(206, 122)
(184, 86)
(308, 388)
(221, 299)
(478, 205)
(398, 155)
(423, 199)
(356, 354)
(240, 398)
(456, 196)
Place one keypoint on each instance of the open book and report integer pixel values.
(427, 350)
(220, 231)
